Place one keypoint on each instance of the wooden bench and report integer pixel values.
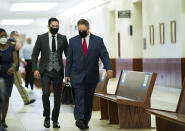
(100, 88)
(168, 120)
(127, 105)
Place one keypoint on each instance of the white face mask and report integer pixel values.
(3, 40)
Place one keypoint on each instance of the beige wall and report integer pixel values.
(137, 30)
(155, 12)
(183, 27)
(98, 18)
(123, 24)
(104, 22)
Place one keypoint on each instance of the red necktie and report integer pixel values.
(85, 47)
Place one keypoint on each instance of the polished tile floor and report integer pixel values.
(29, 118)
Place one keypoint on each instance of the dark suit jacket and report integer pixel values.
(42, 45)
(78, 67)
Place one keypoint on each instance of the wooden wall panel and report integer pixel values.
(168, 71)
(113, 61)
(128, 64)
(123, 64)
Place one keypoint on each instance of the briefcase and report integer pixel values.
(67, 94)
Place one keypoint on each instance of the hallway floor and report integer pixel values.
(29, 118)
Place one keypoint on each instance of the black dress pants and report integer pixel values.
(29, 79)
(47, 78)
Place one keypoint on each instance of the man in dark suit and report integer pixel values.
(82, 70)
(51, 69)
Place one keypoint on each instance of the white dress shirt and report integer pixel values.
(26, 51)
(87, 38)
(50, 41)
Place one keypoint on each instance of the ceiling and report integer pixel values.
(37, 16)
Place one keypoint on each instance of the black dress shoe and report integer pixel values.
(56, 125)
(4, 125)
(47, 123)
(80, 124)
(30, 102)
(86, 127)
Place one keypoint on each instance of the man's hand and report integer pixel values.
(109, 74)
(67, 79)
(11, 70)
(24, 63)
(36, 74)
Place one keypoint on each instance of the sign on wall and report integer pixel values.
(124, 14)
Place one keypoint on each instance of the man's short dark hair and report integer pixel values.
(2, 30)
(52, 19)
(13, 32)
(83, 22)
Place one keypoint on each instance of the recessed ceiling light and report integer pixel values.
(16, 21)
(32, 6)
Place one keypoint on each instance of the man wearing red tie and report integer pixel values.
(82, 70)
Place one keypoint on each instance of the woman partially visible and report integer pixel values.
(7, 67)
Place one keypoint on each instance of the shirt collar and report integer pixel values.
(88, 36)
(50, 35)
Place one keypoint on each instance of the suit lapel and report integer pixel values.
(58, 43)
(47, 41)
(80, 46)
(90, 45)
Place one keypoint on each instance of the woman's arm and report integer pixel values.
(15, 60)
(14, 63)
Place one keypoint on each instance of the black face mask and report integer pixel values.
(54, 30)
(83, 34)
